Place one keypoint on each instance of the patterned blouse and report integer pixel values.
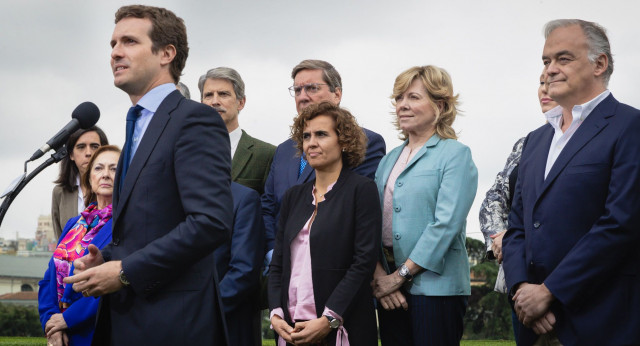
(494, 210)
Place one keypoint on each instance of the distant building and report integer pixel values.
(45, 237)
(21, 274)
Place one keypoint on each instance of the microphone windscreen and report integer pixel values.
(87, 114)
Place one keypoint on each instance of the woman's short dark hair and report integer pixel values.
(351, 137)
(68, 169)
(86, 178)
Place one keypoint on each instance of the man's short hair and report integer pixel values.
(596, 39)
(329, 74)
(166, 29)
(224, 73)
(184, 90)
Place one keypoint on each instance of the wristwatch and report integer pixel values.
(123, 278)
(334, 323)
(404, 272)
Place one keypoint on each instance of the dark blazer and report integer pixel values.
(81, 315)
(239, 261)
(344, 240)
(578, 230)
(174, 210)
(251, 162)
(284, 174)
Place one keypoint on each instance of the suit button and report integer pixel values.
(397, 236)
(116, 241)
(536, 224)
(399, 183)
(397, 209)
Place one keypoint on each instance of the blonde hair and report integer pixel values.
(439, 88)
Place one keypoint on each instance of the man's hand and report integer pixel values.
(55, 324)
(58, 339)
(531, 302)
(310, 332)
(394, 300)
(544, 324)
(90, 260)
(97, 281)
(496, 245)
(282, 328)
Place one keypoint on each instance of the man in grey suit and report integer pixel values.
(223, 89)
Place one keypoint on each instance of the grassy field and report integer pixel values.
(14, 341)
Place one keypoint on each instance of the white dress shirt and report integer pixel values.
(234, 138)
(560, 139)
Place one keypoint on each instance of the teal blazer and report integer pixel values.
(431, 200)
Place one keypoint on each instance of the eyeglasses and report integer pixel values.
(310, 89)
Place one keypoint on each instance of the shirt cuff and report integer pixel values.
(331, 313)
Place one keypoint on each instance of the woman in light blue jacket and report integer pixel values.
(426, 186)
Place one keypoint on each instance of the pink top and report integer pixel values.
(387, 211)
(302, 306)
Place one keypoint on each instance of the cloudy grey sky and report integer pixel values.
(55, 55)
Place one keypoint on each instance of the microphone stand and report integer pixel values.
(11, 195)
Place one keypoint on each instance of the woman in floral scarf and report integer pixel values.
(67, 317)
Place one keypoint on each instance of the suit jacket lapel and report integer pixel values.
(595, 122)
(540, 158)
(386, 170)
(307, 174)
(149, 140)
(242, 155)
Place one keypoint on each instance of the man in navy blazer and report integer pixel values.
(172, 206)
(314, 81)
(571, 254)
(239, 261)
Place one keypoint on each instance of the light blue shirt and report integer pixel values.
(150, 103)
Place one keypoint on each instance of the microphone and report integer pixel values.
(83, 117)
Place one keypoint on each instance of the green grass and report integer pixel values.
(19, 341)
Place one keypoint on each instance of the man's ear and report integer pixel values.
(601, 65)
(167, 54)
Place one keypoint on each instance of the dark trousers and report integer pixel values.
(431, 320)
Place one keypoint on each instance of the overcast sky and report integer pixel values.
(55, 55)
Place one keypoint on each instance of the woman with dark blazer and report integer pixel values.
(67, 198)
(328, 238)
(67, 317)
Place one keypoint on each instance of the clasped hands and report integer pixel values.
(531, 303)
(93, 276)
(303, 333)
(386, 288)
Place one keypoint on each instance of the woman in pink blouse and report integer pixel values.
(328, 238)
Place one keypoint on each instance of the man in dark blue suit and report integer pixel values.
(314, 81)
(172, 204)
(571, 254)
(239, 262)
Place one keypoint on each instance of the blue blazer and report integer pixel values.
(239, 261)
(284, 174)
(173, 210)
(81, 315)
(578, 230)
(431, 200)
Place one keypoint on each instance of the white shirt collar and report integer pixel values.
(579, 112)
(234, 138)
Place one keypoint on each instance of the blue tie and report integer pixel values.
(303, 164)
(132, 116)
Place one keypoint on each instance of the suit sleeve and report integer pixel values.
(275, 268)
(367, 234)
(270, 205)
(376, 149)
(513, 242)
(247, 244)
(455, 196)
(614, 237)
(202, 166)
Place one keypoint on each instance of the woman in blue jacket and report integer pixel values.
(67, 317)
(426, 188)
